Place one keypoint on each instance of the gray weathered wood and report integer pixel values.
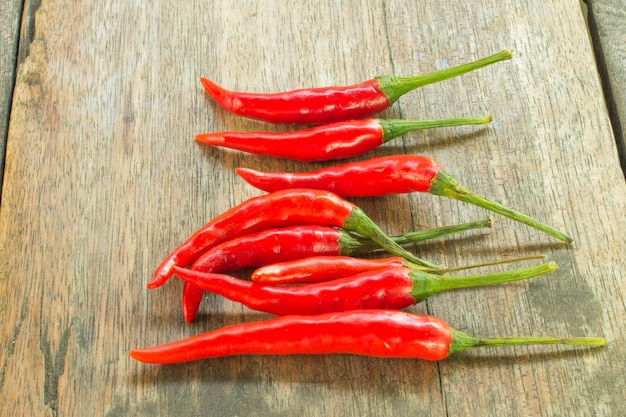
(9, 36)
(103, 179)
(608, 28)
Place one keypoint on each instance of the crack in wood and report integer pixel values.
(605, 78)
(10, 349)
(54, 366)
(27, 31)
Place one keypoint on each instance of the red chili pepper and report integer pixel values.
(376, 333)
(319, 269)
(280, 209)
(268, 246)
(315, 269)
(393, 174)
(393, 287)
(338, 140)
(332, 104)
(295, 242)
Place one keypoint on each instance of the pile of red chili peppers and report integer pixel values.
(305, 238)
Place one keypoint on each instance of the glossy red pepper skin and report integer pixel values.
(279, 209)
(292, 242)
(376, 333)
(282, 244)
(303, 106)
(392, 287)
(394, 174)
(319, 269)
(316, 269)
(331, 104)
(267, 246)
(276, 245)
(384, 288)
(338, 140)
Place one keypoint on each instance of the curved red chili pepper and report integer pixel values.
(269, 246)
(279, 209)
(394, 174)
(377, 333)
(338, 140)
(392, 287)
(332, 104)
(295, 242)
(316, 269)
(319, 269)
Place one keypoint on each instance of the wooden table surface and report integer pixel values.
(102, 178)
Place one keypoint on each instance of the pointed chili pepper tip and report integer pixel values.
(210, 86)
(143, 355)
(220, 95)
(135, 354)
(213, 139)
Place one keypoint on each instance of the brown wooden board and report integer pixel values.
(103, 178)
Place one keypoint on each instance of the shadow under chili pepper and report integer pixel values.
(450, 250)
(221, 312)
(515, 356)
(518, 250)
(227, 160)
(336, 369)
(438, 141)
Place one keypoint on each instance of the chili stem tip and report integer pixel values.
(483, 264)
(444, 185)
(429, 287)
(394, 87)
(462, 341)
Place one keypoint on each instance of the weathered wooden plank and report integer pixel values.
(103, 180)
(9, 36)
(544, 144)
(607, 22)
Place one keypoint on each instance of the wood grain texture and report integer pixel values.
(103, 179)
(9, 30)
(607, 22)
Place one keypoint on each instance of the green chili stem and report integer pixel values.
(359, 222)
(462, 341)
(422, 235)
(426, 285)
(392, 128)
(444, 185)
(358, 245)
(482, 264)
(394, 87)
